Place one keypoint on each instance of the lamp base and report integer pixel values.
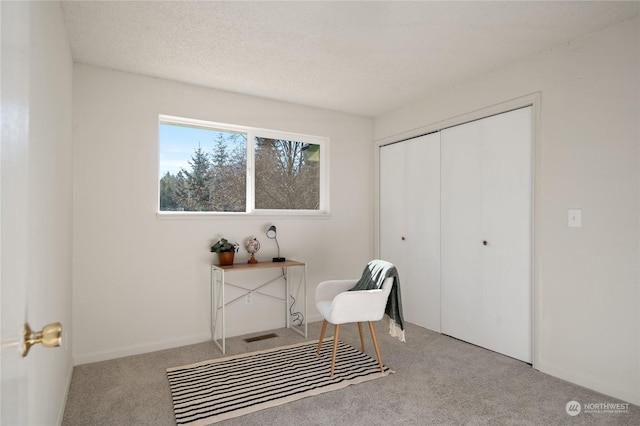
(279, 259)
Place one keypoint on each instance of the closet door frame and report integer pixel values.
(453, 119)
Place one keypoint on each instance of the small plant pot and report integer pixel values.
(226, 258)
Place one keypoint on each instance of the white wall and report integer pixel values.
(142, 283)
(587, 296)
(45, 118)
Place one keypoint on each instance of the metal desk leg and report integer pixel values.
(287, 296)
(302, 282)
(214, 303)
(217, 290)
(224, 348)
(304, 268)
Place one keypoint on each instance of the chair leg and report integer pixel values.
(375, 344)
(335, 348)
(361, 336)
(324, 327)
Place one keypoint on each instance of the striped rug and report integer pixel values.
(211, 391)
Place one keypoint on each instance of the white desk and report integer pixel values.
(218, 302)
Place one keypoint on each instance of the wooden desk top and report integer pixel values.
(260, 265)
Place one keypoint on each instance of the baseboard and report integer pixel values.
(626, 395)
(314, 318)
(88, 358)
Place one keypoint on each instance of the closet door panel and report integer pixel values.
(507, 165)
(392, 201)
(486, 232)
(421, 294)
(461, 233)
(410, 229)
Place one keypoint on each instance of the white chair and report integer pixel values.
(339, 306)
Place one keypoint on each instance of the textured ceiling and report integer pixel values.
(365, 58)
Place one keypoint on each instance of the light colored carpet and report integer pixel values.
(215, 390)
(438, 381)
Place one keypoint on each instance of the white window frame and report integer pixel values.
(252, 133)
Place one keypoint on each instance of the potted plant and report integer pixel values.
(225, 250)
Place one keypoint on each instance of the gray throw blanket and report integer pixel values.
(373, 276)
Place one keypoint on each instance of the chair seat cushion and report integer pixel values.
(354, 306)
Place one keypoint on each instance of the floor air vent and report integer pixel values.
(263, 337)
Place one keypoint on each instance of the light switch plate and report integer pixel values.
(575, 218)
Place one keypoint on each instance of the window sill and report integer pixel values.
(240, 216)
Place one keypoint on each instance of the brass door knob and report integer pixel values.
(50, 336)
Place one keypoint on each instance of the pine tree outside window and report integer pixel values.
(206, 168)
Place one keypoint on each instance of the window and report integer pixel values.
(218, 168)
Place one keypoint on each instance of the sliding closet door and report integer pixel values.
(486, 233)
(393, 195)
(410, 224)
(462, 233)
